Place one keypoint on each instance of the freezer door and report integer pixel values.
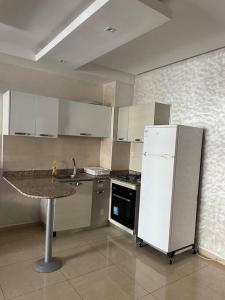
(160, 140)
(156, 200)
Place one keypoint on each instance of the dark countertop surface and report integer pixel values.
(41, 185)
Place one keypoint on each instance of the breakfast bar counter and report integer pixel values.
(40, 185)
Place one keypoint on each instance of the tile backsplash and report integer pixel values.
(27, 153)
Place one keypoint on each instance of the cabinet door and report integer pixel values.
(100, 207)
(123, 123)
(71, 115)
(47, 110)
(74, 211)
(82, 119)
(22, 114)
(139, 117)
(98, 120)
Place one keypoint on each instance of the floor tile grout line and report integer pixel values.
(166, 284)
(20, 262)
(175, 281)
(36, 290)
(73, 287)
(2, 292)
(37, 257)
(93, 271)
(126, 274)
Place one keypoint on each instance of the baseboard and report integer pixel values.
(211, 255)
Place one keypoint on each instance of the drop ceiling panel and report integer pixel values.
(90, 40)
(25, 25)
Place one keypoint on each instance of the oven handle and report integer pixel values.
(121, 197)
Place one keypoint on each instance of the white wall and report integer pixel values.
(196, 90)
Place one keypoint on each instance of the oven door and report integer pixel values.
(123, 205)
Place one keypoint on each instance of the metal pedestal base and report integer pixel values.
(48, 263)
(42, 267)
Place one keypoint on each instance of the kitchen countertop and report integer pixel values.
(39, 186)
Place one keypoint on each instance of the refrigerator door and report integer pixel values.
(156, 198)
(160, 140)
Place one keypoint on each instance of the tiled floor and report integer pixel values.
(102, 264)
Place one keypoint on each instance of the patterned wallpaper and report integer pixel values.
(196, 90)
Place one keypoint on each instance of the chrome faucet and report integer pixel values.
(74, 168)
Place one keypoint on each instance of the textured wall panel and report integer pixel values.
(196, 90)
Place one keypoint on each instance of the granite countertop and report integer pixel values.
(39, 186)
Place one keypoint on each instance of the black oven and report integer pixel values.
(123, 205)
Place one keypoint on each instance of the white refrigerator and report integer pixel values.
(169, 187)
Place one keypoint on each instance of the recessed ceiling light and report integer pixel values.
(110, 29)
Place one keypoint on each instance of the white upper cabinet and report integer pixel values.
(29, 115)
(47, 111)
(133, 119)
(123, 123)
(19, 113)
(139, 117)
(82, 119)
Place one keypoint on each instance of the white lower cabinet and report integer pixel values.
(88, 207)
(72, 212)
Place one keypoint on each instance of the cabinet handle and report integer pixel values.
(121, 197)
(137, 140)
(101, 181)
(85, 134)
(46, 135)
(22, 133)
(100, 192)
(120, 139)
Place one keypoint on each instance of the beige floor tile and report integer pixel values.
(205, 284)
(82, 260)
(61, 291)
(29, 232)
(98, 234)
(112, 249)
(109, 283)
(185, 263)
(147, 266)
(66, 241)
(18, 279)
(118, 248)
(20, 250)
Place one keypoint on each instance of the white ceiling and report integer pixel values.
(197, 26)
(74, 31)
(26, 26)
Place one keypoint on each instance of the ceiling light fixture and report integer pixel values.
(110, 29)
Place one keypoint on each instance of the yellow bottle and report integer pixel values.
(54, 168)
